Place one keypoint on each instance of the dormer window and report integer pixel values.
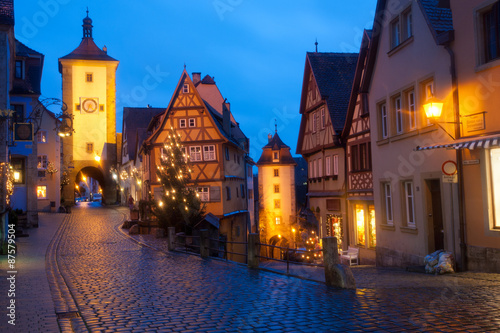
(185, 88)
(276, 156)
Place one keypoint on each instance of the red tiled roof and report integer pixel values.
(87, 50)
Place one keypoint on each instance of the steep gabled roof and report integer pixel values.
(31, 83)
(87, 50)
(334, 74)
(439, 19)
(275, 144)
(133, 119)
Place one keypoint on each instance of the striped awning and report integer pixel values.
(471, 143)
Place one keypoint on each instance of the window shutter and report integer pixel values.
(215, 193)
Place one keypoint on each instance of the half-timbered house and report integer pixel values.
(326, 89)
(359, 182)
(217, 150)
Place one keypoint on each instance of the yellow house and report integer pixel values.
(217, 150)
(277, 210)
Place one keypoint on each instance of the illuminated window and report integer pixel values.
(182, 123)
(204, 194)
(18, 168)
(409, 203)
(276, 188)
(277, 219)
(372, 233)
(42, 162)
(88, 77)
(41, 136)
(495, 185)
(195, 153)
(41, 192)
(192, 122)
(209, 153)
(277, 204)
(276, 172)
(359, 215)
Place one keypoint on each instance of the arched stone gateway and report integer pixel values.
(280, 241)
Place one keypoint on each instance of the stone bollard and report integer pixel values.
(171, 238)
(253, 250)
(336, 274)
(204, 243)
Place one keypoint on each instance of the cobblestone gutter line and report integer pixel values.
(68, 314)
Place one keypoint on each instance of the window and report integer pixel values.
(315, 168)
(490, 33)
(310, 169)
(399, 115)
(182, 123)
(41, 192)
(323, 118)
(90, 147)
(192, 122)
(101, 107)
(335, 165)
(328, 166)
(359, 215)
(428, 94)
(276, 188)
(204, 194)
(237, 192)
(354, 158)
(238, 159)
(411, 110)
(19, 73)
(388, 203)
(410, 203)
(277, 204)
(242, 190)
(276, 156)
(227, 153)
(18, 116)
(361, 157)
(209, 153)
(372, 228)
(495, 186)
(18, 168)
(383, 121)
(315, 121)
(277, 219)
(276, 172)
(228, 193)
(41, 136)
(42, 162)
(185, 88)
(401, 28)
(320, 167)
(88, 77)
(184, 154)
(195, 153)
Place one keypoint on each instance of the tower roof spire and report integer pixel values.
(316, 43)
(87, 26)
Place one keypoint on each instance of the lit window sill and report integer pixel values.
(409, 230)
(400, 46)
(487, 65)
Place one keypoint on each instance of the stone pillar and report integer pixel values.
(336, 274)
(171, 238)
(253, 250)
(204, 243)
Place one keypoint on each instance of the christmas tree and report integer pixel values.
(179, 205)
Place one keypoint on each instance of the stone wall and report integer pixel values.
(483, 259)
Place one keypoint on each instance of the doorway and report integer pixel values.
(435, 215)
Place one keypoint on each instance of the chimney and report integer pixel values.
(196, 77)
(226, 117)
(269, 137)
(443, 4)
(105, 49)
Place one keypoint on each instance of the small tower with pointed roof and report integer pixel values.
(89, 91)
(277, 211)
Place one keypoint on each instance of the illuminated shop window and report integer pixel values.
(372, 235)
(495, 186)
(359, 215)
(41, 192)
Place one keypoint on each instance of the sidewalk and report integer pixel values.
(367, 277)
(34, 306)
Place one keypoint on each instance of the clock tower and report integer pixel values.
(89, 91)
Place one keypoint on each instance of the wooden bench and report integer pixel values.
(352, 255)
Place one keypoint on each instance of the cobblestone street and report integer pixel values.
(101, 280)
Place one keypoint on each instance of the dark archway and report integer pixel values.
(280, 241)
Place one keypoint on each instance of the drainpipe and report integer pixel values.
(461, 198)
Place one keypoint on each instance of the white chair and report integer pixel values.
(352, 255)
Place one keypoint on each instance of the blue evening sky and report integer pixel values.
(254, 49)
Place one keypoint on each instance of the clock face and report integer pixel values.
(89, 105)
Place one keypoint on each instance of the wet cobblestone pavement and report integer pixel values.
(106, 282)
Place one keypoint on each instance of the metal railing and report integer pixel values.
(225, 251)
(294, 260)
(185, 244)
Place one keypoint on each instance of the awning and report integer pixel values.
(471, 143)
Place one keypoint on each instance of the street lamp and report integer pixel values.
(433, 108)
